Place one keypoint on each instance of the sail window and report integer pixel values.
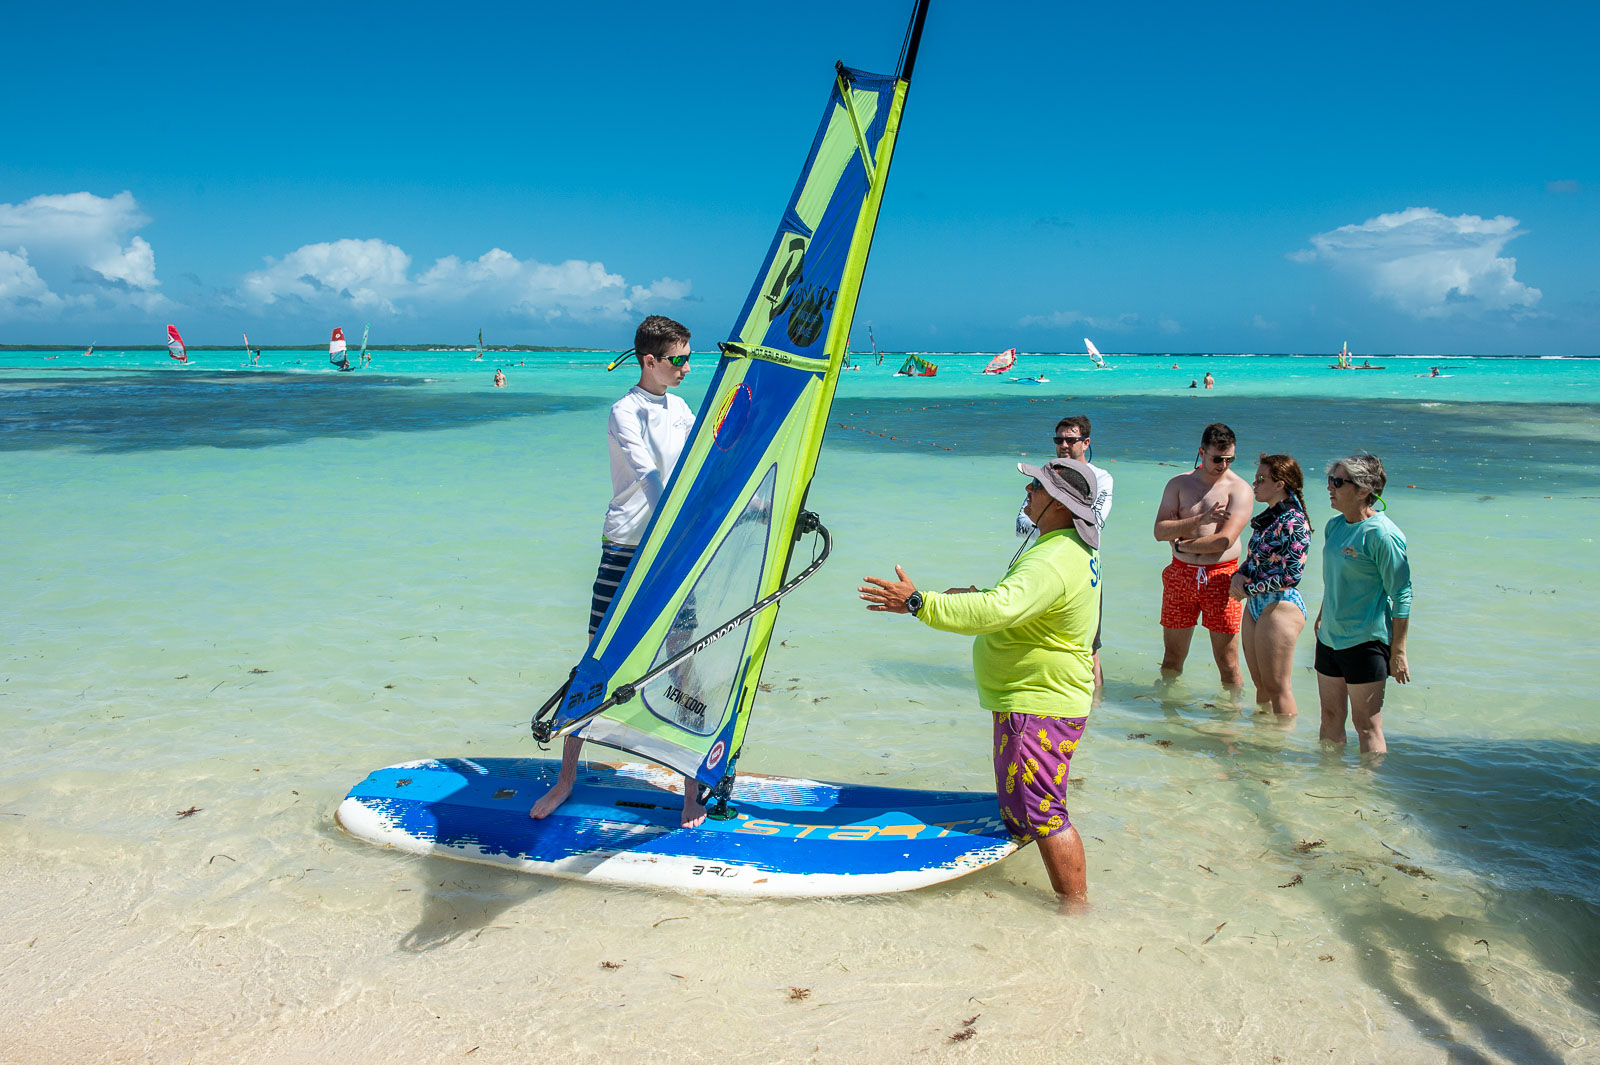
(698, 695)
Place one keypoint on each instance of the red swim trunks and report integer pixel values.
(1190, 592)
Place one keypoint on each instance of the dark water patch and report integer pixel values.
(164, 411)
(1477, 448)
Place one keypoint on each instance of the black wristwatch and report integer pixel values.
(914, 603)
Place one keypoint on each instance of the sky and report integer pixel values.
(1419, 178)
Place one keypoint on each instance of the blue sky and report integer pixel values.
(1162, 177)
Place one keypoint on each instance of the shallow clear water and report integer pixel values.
(239, 590)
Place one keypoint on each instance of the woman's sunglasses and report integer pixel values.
(1339, 482)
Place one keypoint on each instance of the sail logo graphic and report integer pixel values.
(733, 416)
(693, 712)
(806, 305)
(806, 313)
(714, 758)
(787, 278)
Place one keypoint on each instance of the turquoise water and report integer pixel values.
(238, 590)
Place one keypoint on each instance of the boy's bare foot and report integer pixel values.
(559, 793)
(694, 811)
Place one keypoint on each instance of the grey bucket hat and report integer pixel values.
(1072, 484)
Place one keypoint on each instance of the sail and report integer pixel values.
(246, 345)
(175, 346)
(917, 366)
(479, 355)
(1002, 362)
(1094, 353)
(365, 332)
(721, 536)
(337, 347)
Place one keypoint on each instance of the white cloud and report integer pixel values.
(22, 291)
(1428, 264)
(76, 251)
(1062, 319)
(375, 275)
(664, 288)
(366, 275)
(1261, 322)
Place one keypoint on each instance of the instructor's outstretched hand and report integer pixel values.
(888, 596)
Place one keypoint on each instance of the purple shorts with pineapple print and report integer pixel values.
(1032, 757)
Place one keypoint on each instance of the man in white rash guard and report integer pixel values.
(647, 431)
(1072, 442)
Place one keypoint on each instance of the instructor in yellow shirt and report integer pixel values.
(1031, 658)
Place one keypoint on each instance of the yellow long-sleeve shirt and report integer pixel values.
(1033, 629)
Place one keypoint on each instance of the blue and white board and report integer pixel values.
(621, 826)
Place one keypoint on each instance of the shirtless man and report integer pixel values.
(1202, 514)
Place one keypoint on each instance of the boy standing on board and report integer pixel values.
(1202, 514)
(646, 434)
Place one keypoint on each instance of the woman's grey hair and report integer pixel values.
(1366, 470)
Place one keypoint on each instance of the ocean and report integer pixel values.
(231, 592)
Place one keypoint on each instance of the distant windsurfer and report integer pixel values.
(1031, 659)
(338, 353)
(646, 434)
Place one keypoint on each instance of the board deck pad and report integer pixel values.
(789, 837)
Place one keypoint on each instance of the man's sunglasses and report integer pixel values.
(676, 360)
(1221, 460)
(1069, 440)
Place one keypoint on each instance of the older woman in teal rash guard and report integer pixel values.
(1366, 604)
(1031, 658)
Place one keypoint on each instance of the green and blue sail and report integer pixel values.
(722, 534)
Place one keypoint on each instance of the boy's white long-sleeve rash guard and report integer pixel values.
(646, 435)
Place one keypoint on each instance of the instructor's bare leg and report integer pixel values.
(561, 790)
(1062, 853)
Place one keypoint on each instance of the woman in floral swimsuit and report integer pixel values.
(1267, 582)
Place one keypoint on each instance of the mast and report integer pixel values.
(908, 51)
(672, 671)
